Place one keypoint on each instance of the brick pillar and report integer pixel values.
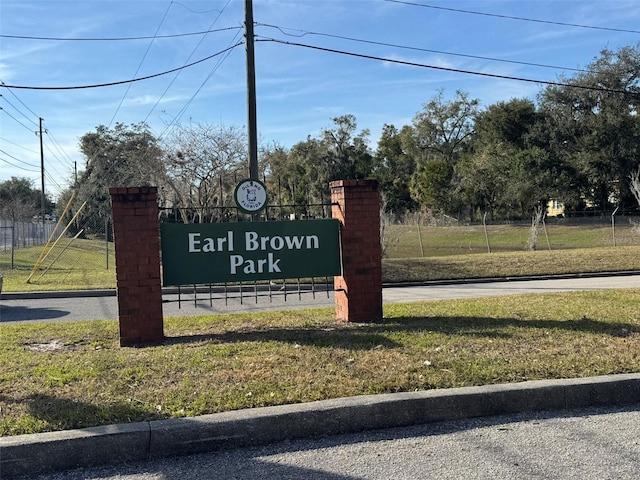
(137, 241)
(358, 292)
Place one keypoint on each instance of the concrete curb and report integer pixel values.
(112, 444)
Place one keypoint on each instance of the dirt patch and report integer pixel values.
(52, 346)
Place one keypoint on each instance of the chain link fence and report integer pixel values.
(80, 253)
(428, 236)
(58, 254)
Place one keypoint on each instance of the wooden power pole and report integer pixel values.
(251, 92)
(42, 197)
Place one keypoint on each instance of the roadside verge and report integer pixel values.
(111, 444)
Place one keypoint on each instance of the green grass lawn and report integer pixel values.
(512, 264)
(404, 241)
(56, 376)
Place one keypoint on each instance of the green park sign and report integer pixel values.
(240, 252)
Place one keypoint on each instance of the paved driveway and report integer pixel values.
(70, 307)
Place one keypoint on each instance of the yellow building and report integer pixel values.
(555, 208)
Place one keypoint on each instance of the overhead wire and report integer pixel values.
(15, 119)
(226, 52)
(54, 155)
(17, 166)
(140, 64)
(190, 101)
(115, 39)
(186, 106)
(419, 49)
(447, 69)
(5, 140)
(121, 82)
(50, 165)
(195, 11)
(52, 181)
(34, 168)
(193, 51)
(59, 148)
(18, 110)
(18, 160)
(511, 17)
(21, 102)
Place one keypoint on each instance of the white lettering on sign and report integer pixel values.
(255, 266)
(255, 242)
(208, 244)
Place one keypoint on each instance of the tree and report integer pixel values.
(348, 155)
(122, 156)
(505, 172)
(443, 129)
(534, 178)
(393, 169)
(483, 179)
(439, 136)
(634, 184)
(596, 127)
(431, 184)
(339, 153)
(203, 162)
(20, 201)
(506, 123)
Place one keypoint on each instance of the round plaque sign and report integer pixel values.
(250, 196)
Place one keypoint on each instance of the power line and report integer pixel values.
(53, 154)
(15, 119)
(18, 145)
(17, 166)
(204, 11)
(21, 102)
(140, 64)
(190, 101)
(440, 52)
(53, 181)
(447, 69)
(116, 39)
(550, 22)
(17, 159)
(193, 51)
(121, 82)
(18, 110)
(58, 146)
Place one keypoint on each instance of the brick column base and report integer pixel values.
(358, 292)
(137, 242)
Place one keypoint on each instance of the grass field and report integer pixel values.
(82, 264)
(411, 241)
(56, 376)
(437, 253)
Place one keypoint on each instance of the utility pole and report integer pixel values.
(42, 198)
(251, 91)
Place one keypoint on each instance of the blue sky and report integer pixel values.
(299, 89)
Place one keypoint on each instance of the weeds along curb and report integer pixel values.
(113, 444)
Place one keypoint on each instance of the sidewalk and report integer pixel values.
(113, 444)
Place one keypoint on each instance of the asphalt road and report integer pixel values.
(593, 444)
(30, 308)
